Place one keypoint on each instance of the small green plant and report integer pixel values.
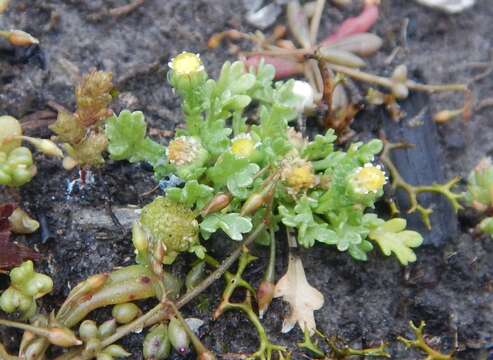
(16, 161)
(25, 287)
(243, 170)
(82, 132)
(479, 194)
(235, 176)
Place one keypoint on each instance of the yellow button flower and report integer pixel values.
(243, 145)
(298, 175)
(186, 63)
(369, 178)
(183, 150)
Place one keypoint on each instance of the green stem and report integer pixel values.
(33, 329)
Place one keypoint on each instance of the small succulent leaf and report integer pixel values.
(302, 298)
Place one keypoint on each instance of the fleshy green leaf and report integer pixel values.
(191, 194)
(225, 167)
(321, 146)
(232, 224)
(392, 238)
(240, 181)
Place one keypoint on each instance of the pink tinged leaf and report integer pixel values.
(355, 25)
(285, 68)
(302, 298)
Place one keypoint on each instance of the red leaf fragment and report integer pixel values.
(284, 67)
(355, 25)
(11, 254)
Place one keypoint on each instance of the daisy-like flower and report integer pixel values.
(187, 72)
(186, 64)
(368, 179)
(298, 175)
(243, 145)
(183, 150)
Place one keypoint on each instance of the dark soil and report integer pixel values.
(449, 287)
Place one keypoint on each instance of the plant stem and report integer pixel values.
(315, 23)
(385, 82)
(420, 343)
(270, 271)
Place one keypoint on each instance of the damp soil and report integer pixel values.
(450, 286)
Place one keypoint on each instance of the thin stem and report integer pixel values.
(270, 271)
(421, 343)
(315, 24)
(35, 330)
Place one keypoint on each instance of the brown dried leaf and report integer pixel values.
(301, 296)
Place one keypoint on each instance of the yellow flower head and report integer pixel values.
(243, 145)
(186, 63)
(369, 178)
(298, 175)
(183, 150)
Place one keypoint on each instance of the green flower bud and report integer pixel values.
(88, 329)
(139, 237)
(107, 328)
(178, 336)
(34, 349)
(156, 343)
(188, 156)
(186, 72)
(171, 223)
(125, 313)
(62, 337)
(93, 346)
(116, 351)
